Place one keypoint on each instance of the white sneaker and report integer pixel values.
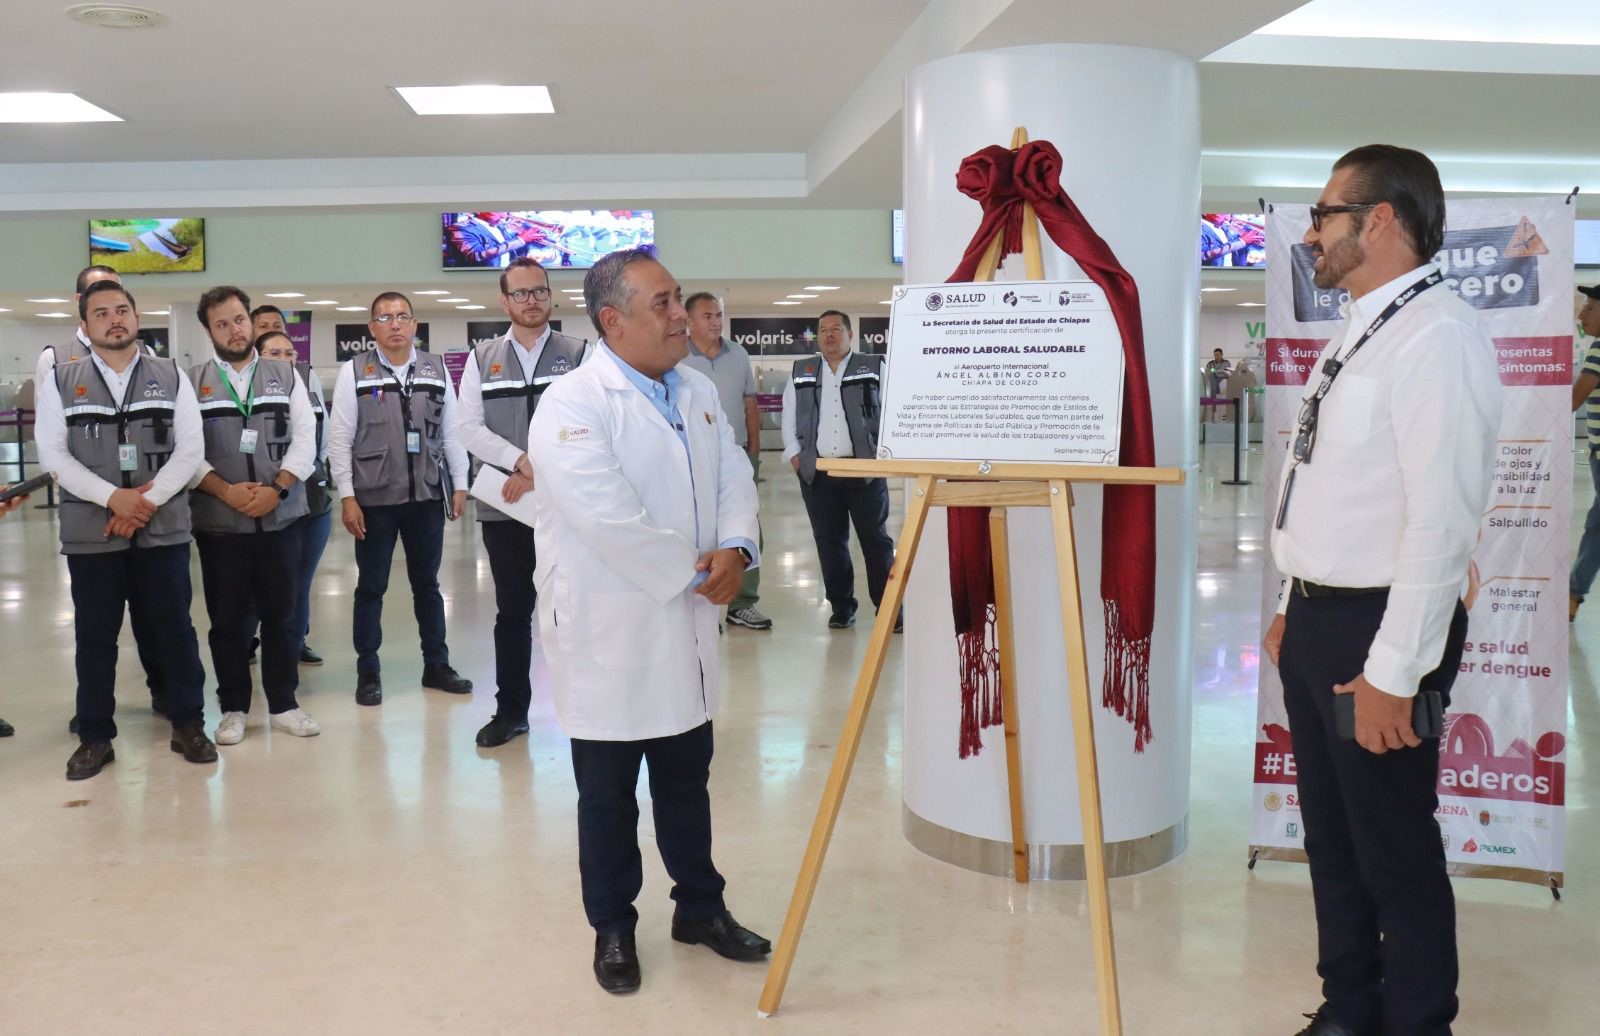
(231, 730)
(296, 723)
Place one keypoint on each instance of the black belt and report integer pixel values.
(1309, 589)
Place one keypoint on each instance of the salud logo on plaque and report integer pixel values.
(1003, 371)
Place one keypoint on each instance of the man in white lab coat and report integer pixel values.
(645, 524)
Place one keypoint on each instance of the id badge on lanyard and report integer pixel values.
(127, 456)
(247, 440)
(413, 441)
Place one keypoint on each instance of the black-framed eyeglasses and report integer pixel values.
(1321, 212)
(524, 294)
(399, 318)
(1305, 439)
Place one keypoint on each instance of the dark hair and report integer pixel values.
(216, 297)
(273, 334)
(1216, 350)
(389, 296)
(835, 313)
(83, 276)
(1409, 182)
(521, 262)
(697, 298)
(604, 285)
(97, 288)
(268, 308)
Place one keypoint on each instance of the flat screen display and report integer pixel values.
(897, 236)
(1238, 240)
(167, 245)
(1586, 242)
(556, 238)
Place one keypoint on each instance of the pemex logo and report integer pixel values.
(1471, 846)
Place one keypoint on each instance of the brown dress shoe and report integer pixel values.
(190, 740)
(90, 758)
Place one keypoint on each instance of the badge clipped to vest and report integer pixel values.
(413, 441)
(247, 440)
(127, 456)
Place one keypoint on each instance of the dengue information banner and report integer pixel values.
(1011, 371)
(1503, 759)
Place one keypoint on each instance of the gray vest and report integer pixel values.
(97, 424)
(859, 385)
(74, 349)
(508, 400)
(381, 471)
(319, 500)
(223, 425)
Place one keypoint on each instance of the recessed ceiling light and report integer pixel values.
(155, 312)
(52, 314)
(1253, 305)
(785, 302)
(47, 302)
(4, 309)
(886, 302)
(25, 106)
(322, 302)
(573, 291)
(115, 16)
(432, 291)
(478, 100)
(455, 300)
(1208, 290)
(286, 294)
(822, 287)
(469, 307)
(351, 309)
(802, 296)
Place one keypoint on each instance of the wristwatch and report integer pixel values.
(748, 560)
(283, 490)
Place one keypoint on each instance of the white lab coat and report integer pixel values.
(632, 650)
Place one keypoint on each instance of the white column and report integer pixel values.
(1126, 121)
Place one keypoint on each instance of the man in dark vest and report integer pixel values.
(121, 433)
(500, 388)
(397, 463)
(76, 348)
(830, 409)
(259, 441)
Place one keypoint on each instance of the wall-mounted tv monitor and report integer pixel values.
(1586, 242)
(1233, 240)
(570, 238)
(168, 245)
(897, 235)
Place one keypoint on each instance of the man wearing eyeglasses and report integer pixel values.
(500, 390)
(1379, 511)
(397, 462)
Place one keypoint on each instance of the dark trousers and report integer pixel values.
(608, 825)
(511, 559)
(420, 526)
(146, 642)
(834, 504)
(313, 531)
(1386, 921)
(154, 578)
(246, 577)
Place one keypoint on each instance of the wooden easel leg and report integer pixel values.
(1105, 958)
(844, 756)
(999, 548)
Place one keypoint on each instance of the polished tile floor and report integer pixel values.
(390, 877)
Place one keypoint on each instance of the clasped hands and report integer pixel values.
(1383, 721)
(131, 510)
(724, 572)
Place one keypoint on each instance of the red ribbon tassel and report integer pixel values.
(1001, 180)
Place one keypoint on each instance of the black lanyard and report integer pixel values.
(1331, 367)
(404, 390)
(127, 394)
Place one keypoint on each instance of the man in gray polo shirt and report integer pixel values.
(728, 366)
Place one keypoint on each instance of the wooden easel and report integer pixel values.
(998, 486)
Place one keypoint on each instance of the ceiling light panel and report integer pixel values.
(478, 100)
(27, 106)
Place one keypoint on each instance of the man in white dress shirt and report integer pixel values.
(646, 522)
(1392, 466)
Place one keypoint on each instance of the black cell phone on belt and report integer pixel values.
(1427, 715)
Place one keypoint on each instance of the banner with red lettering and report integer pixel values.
(1502, 771)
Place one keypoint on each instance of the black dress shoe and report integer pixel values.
(6, 729)
(308, 656)
(616, 963)
(72, 725)
(1323, 1025)
(443, 678)
(841, 621)
(90, 758)
(723, 934)
(190, 740)
(369, 689)
(498, 731)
